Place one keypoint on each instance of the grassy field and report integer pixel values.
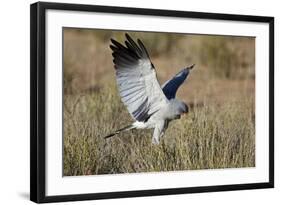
(219, 131)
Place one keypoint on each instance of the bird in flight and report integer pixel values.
(151, 106)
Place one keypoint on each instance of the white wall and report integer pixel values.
(14, 101)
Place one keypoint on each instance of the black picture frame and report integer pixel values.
(38, 101)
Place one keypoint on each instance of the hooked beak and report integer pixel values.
(185, 113)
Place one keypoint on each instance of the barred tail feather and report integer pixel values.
(129, 127)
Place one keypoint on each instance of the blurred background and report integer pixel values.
(220, 92)
(225, 65)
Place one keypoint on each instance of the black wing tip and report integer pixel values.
(142, 47)
(130, 51)
(140, 43)
(128, 38)
(112, 40)
(192, 66)
(113, 48)
(127, 35)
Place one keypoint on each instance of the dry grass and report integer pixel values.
(209, 137)
(219, 131)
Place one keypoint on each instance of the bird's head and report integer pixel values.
(183, 108)
(186, 109)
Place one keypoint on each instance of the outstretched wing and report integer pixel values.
(171, 86)
(136, 78)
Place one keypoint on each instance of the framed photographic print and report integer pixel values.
(129, 102)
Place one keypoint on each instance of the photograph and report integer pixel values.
(142, 101)
(134, 102)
